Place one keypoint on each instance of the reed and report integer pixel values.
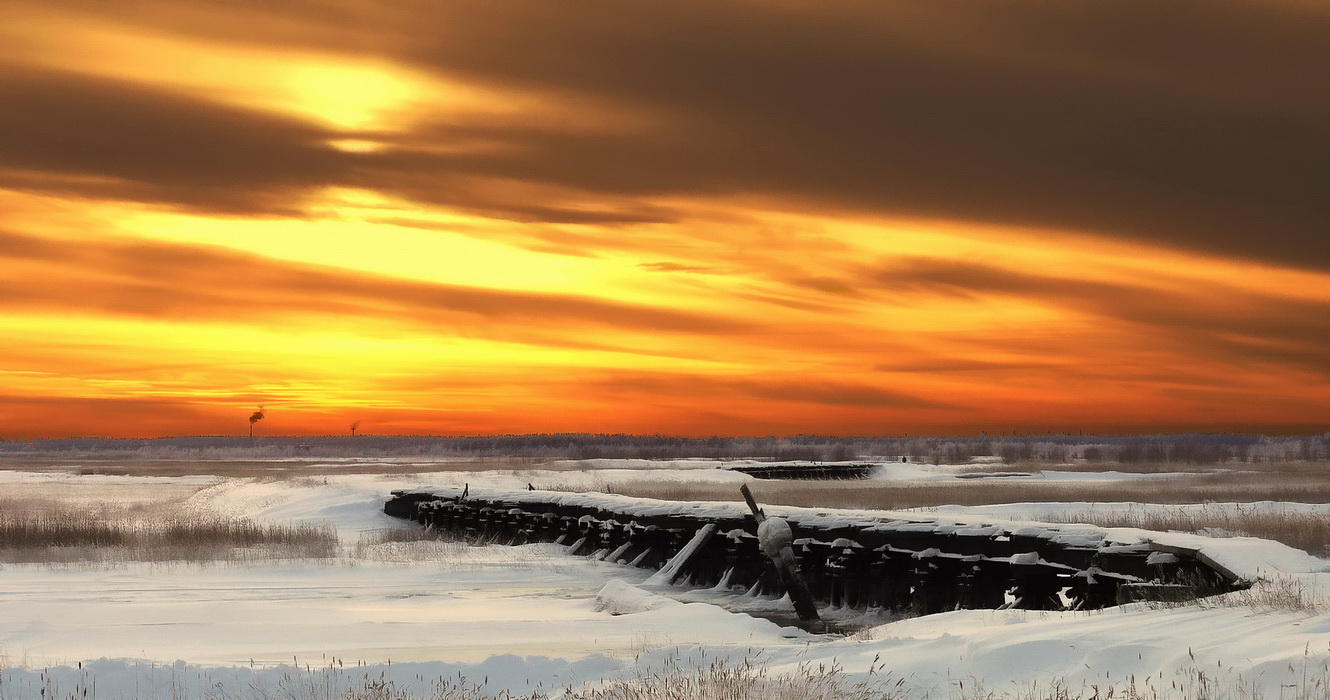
(66, 535)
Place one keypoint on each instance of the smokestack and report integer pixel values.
(353, 428)
(254, 418)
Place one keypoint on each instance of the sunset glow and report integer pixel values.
(680, 218)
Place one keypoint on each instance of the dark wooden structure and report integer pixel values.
(821, 470)
(847, 558)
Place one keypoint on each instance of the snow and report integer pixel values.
(773, 535)
(620, 598)
(530, 616)
(997, 647)
(353, 610)
(912, 471)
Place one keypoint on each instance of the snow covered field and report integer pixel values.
(522, 618)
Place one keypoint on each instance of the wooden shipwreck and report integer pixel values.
(847, 558)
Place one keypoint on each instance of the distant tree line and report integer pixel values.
(1184, 449)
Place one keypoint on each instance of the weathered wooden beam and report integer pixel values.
(680, 564)
(1191, 553)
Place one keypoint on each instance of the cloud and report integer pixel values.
(1207, 136)
(181, 282)
(29, 416)
(753, 141)
(1207, 133)
(65, 132)
(1214, 321)
(765, 389)
(956, 365)
(674, 267)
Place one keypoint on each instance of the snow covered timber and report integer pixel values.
(860, 559)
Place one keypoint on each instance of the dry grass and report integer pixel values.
(1275, 594)
(720, 679)
(65, 535)
(97, 499)
(1085, 466)
(886, 495)
(1309, 532)
(410, 545)
(742, 679)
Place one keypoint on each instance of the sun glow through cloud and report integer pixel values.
(348, 94)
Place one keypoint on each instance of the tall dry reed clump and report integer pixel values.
(67, 535)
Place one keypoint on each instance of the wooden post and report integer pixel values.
(781, 553)
(752, 504)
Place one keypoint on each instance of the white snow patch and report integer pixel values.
(620, 598)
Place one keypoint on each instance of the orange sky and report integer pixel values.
(689, 218)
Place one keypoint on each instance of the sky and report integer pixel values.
(696, 218)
